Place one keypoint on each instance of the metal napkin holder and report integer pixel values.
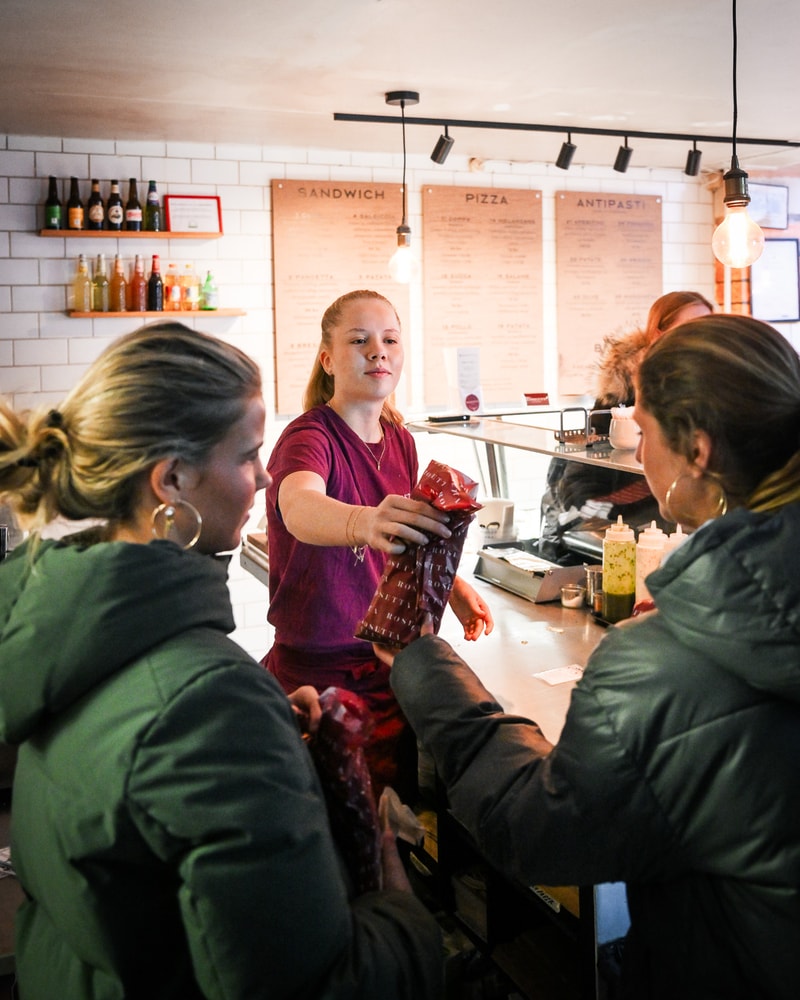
(517, 568)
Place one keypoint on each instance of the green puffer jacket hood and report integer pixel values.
(121, 601)
(731, 593)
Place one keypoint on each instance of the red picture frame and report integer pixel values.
(193, 213)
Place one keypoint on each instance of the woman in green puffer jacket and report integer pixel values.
(169, 829)
(677, 768)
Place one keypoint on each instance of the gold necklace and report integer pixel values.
(379, 459)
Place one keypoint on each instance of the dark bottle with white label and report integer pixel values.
(115, 212)
(133, 208)
(95, 210)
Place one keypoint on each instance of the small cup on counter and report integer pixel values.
(572, 595)
(594, 582)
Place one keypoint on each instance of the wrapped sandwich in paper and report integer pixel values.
(417, 583)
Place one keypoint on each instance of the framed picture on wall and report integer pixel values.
(774, 283)
(191, 213)
(769, 205)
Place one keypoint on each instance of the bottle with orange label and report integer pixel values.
(75, 219)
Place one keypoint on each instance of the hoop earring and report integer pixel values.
(722, 498)
(165, 520)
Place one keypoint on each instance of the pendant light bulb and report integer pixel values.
(737, 240)
(403, 265)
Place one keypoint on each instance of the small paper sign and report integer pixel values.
(561, 675)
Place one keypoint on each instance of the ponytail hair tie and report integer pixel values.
(54, 419)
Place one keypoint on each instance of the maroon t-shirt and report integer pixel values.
(318, 594)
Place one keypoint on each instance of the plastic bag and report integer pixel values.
(417, 583)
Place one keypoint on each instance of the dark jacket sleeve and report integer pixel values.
(225, 787)
(577, 813)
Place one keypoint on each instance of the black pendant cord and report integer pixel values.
(403, 120)
(735, 94)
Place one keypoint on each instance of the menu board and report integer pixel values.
(608, 274)
(482, 261)
(329, 237)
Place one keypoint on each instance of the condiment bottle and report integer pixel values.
(673, 541)
(619, 571)
(649, 550)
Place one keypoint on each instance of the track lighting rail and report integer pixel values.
(455, 123)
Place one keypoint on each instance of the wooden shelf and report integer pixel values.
(125, 234)
(163, 314)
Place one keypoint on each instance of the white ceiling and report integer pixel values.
(274, 72)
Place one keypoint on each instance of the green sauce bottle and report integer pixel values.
(619, 571)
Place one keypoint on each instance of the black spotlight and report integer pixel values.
(566, 153)
(693, 158)
(624, 154)
(442, 148)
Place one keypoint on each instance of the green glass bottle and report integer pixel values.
(53, 212)
(153, 218)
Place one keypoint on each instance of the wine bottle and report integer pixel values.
(137, 287)
(155, 287)
(95, 210)
(133, 208)
(82, 287)
(53, 213)
(117, 290)
(100, 285)
(74, 206)
(115, 213)
(153, 220)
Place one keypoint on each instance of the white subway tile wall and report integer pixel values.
(43, 351)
